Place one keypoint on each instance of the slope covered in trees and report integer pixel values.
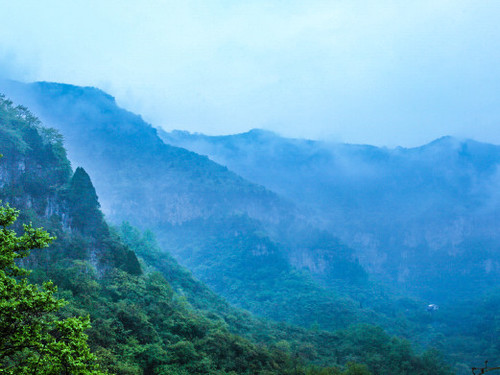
(244, 241)
(334, 294)
(32, 339)
(423, 218)
(173, 191)
(140, 324)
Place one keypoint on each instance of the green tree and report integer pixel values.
(32, 339)
(85, 213)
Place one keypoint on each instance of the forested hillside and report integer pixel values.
(182, 196)
(423, 218)
(271, 256)
(141, 323)
(248, 244)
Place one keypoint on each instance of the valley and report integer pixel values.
(331, 251)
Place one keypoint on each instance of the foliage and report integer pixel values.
(84, 208)
(239, 261)
(32, 339)
(22, 133)
(295, 346)
(153, 316)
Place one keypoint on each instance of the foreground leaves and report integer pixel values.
(32, 339)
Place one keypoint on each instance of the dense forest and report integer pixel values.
(273, 281)
(249, 187)
(147, 313)
(422, 218)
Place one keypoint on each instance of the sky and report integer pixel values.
(384, 72)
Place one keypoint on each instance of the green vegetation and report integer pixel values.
(33, 339)
(424, 218)
(23, 134)
(236, 258)
(150, 316)
(364, 193)
(361, 343)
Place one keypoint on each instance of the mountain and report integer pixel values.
(188, 200)
(141, 323)
(176, 185)
(286, 265)
(422, 218)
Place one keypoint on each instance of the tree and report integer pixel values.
(32, 339)
(85, 213)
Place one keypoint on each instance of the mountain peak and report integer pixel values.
(68, 90)
(260, 133)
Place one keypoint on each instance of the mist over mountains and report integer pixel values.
(102, 138)
(188, 200)
(425, 218)
(148, 314)
(300, 231)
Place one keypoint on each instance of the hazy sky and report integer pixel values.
(386, 72)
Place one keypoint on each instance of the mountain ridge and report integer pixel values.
(435, 199)
(226, 246)
(164, 188)
(139, 325)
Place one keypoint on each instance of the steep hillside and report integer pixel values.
(183, 197)
(424, 218)
(279, 266)
(36, 177)
(139, 324)
(136, 174)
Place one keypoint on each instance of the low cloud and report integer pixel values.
(379, 72)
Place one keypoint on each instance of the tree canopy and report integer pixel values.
(32, 339)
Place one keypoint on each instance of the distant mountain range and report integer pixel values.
(200, 210)
(311, 233)
(148, 314)
(426, 217)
